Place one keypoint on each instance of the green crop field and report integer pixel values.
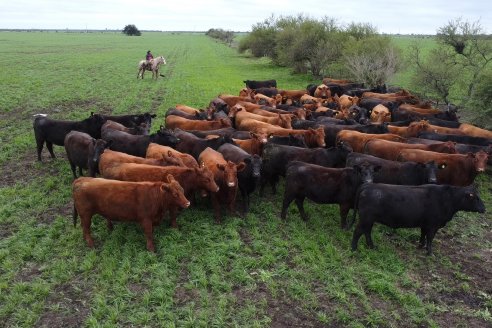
(256, 271)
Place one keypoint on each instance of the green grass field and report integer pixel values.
(252, 272)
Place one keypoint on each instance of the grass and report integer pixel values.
(253, 272)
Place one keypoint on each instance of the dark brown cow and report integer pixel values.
(225, 174)
(391, 149)
(141, 202)
(141, 129)
(457, 169)
(84, 151)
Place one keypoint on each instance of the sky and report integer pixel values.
(395, 16)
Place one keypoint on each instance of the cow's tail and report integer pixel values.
(74, 216)
(356, 206)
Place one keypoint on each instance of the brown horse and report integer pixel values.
(152, 65)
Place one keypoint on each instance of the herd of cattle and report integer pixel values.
(387, 155)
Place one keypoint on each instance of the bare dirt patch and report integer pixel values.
(67, 305)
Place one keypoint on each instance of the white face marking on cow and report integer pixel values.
(231, 184)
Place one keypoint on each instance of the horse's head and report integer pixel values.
(161, 60)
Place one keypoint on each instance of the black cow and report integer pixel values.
(277, 157)
(290, 140)
(252, 84)
(84, 151)
(479, 141)
(248, 178)
(54, 131)
(132, 120)
(398, 173)
(137, 145)
(359, 114)
(324, 185)
(428, 207)
(341, 89)
(269, 92)
(402, 114)
(193, 145)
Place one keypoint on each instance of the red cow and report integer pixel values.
(225, 174)
(141, 202)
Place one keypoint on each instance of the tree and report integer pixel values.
(436, 74)
(472, 50)
(131, 30)
(372, 60)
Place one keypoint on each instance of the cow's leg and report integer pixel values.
(147, 228)
(73, 167)
(357, 233)
(85, 222)
(344, 209)
(273, 183)
(430, 236)
(173, 213)
(49, 145)
(288, 198)
(216, 205)
(300, 206)
(80, 171)
(367, 232)
(422, 237)
(39, 146)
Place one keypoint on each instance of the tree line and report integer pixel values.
(456, 70)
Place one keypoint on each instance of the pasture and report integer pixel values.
(253, 272)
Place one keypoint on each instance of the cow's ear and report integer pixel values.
(170, 178)
(92, 114)
(241, 166)
(221, 167)
(169, 153)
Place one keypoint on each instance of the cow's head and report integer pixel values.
(173, 191)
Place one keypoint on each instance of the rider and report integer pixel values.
(148, 57)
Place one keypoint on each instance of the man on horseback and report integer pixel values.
(148, 58)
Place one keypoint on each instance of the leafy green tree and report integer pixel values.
(131, 30)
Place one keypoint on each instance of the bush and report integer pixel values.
(131, 30)
(220, 34)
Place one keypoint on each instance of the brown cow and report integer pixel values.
(187, 109)
(357, 140)
(473, 131)
(391, 149)
(445, 130)
(173, 122)
(254, 145)
(313, 137)
(282, 120)
(191, 179)
(231, 100)
(142, 129)
(157, 151)
(345, 102)
(265, 100)
(291, 95)
(457, 169)
(110, 158)
(410, 131)
(141, 202)
(380, 114)
(328, 80)
(225, 175)
(322, 91)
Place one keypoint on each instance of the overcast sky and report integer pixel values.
(394, 16)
